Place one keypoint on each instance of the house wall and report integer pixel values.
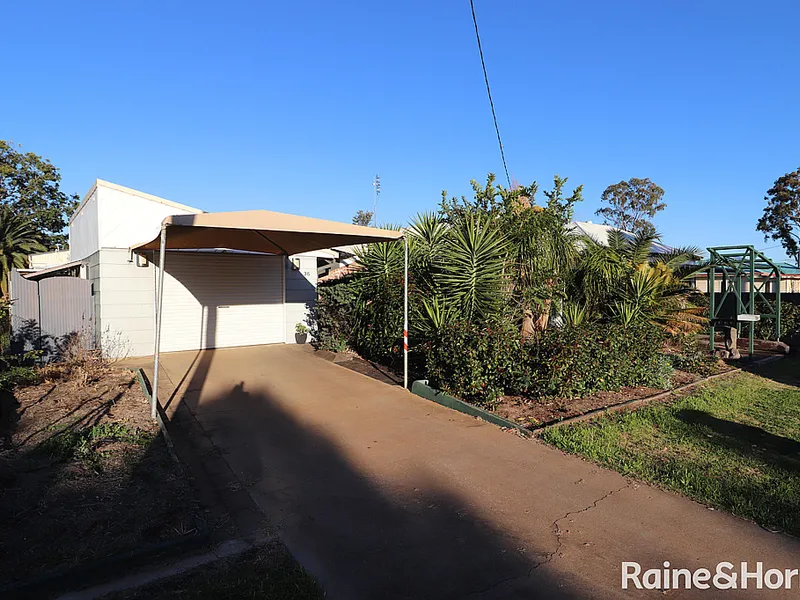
(301, 291)
(109, 221)
(48, 259)
(83, 228)
(125, 296)
(788, 285)
(126, 219)
(92, 272)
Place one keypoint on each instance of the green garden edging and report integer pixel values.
(145, 383)
(421, 388)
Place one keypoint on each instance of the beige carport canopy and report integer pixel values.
(263, 231)
(258, 231)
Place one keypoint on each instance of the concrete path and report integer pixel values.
(382, 494)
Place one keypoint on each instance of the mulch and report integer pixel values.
(534, 413)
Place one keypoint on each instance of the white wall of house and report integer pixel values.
(301, 290)
(45, 260)
(126, 302)
(83, 228)
(112, 218)
(128, 217)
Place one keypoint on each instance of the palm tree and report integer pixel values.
(542, 253)
(18, 239)
(626, 281)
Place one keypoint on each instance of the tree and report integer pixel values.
(632, 204)
(625, 281)
(781, 218)
(18, 238)
(29, 185)
(362, 217)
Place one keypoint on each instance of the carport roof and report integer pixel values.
(263, 231)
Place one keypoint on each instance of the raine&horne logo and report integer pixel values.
(725, 576)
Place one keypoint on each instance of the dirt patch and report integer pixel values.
(533, 413)
(84, 475)
(371, 369)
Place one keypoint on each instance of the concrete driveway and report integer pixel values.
(382, 494)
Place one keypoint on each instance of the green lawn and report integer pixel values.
(734, 444)
(269, 573)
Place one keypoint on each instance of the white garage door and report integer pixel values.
(221, 300)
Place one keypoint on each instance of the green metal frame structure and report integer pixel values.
(739, 264)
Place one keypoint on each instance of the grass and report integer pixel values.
(82, 444)
(733, 444)
(269, 573)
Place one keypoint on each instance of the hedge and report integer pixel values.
(481, 364)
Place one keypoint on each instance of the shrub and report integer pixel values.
(694, 357)
(482, 363)
(17, 376)
(790, 322)
(476, 363)
(576, 361)
(331, 318)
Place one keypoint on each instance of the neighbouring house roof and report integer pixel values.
(341, 272)
(788, 271)
(263, 231)
(63, 269)
(599, 233)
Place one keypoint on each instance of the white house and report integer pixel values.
(212, 297)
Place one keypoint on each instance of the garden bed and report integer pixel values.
(85, 475)
(535, 413)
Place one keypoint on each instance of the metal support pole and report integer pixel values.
(405, 315)
(159, 302)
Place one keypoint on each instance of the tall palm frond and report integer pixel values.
(426, 237)
(472, 272)
(18, 239)
(684, 262)
(382, 262)
(640, 249)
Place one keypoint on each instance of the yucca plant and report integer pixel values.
(18, 239)
(472, 272)
(574, 314)
(426, 236)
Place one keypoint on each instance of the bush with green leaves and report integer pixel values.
(790, 322)
(481, 364)
(477, 363)
(331, 318)
(694, 356)
(577, 361)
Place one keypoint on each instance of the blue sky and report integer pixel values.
(295, 106)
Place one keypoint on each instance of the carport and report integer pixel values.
(259, 231)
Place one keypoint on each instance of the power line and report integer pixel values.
(489, 91)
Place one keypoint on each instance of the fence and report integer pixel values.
(47, 314)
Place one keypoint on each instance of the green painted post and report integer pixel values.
(712, 285)
(778, 306)
(752, 328)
